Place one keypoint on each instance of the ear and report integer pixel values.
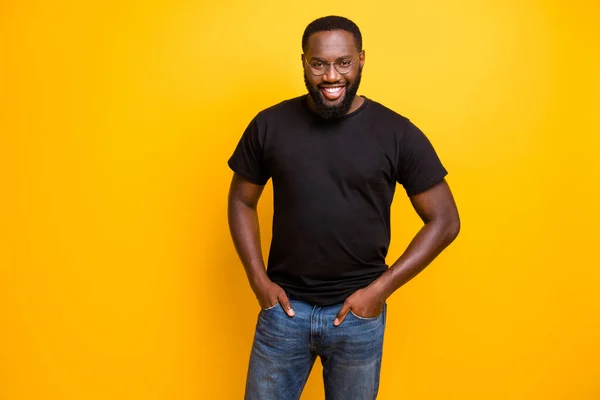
(302, 60)
(362, 58)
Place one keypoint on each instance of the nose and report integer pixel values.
(332, 75)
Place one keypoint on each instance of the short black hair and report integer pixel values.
(332, 23)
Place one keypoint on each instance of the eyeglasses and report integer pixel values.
(319, 67)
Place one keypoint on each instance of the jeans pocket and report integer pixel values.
(365, 318)
(271, 307)
(370, 318)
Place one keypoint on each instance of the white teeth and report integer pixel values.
(333, 90)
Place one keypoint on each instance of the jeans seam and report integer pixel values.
(297, 397)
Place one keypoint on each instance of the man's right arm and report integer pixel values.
(245, 233)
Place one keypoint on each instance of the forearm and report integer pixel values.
(427, 244)
(245, 233)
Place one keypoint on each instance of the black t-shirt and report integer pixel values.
(333, 184)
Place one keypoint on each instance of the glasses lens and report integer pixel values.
(317, 67)
(342, 68)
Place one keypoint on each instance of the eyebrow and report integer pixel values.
(337, 59)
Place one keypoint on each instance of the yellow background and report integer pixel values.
(118, 279)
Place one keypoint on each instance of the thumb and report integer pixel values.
(285, 303)
(342, 314)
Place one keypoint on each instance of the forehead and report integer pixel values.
(331, 44)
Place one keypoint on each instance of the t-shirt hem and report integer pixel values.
(246, 175)
(427, 185)
(325, 299)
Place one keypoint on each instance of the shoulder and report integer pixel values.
(390, 121)
(282, 110)
(386, 115)
(275, 120)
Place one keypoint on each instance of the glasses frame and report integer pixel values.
(334, 63)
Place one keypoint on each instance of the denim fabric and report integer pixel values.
(285, 349)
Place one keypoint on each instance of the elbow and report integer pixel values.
(234, 203)
(447, 229)
(452, 229)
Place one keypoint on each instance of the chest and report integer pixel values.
(355, 157)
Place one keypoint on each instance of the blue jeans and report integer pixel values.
(285, 349)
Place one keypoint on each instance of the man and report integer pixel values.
(334, 159)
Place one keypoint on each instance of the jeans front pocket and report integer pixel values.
(369, 318)
(271, 307)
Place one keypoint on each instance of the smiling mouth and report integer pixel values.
(333, 93)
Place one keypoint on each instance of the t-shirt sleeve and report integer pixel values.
(248, 159)
(419, 167)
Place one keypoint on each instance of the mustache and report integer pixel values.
(325, 110)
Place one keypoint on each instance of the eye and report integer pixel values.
(345, 63)
(316, 64)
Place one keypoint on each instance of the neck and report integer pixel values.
(356, 103)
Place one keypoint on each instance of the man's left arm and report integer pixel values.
(437, 210)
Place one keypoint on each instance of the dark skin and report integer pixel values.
(331, 46)
(435, 207)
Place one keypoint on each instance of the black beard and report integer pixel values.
(332, 112)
